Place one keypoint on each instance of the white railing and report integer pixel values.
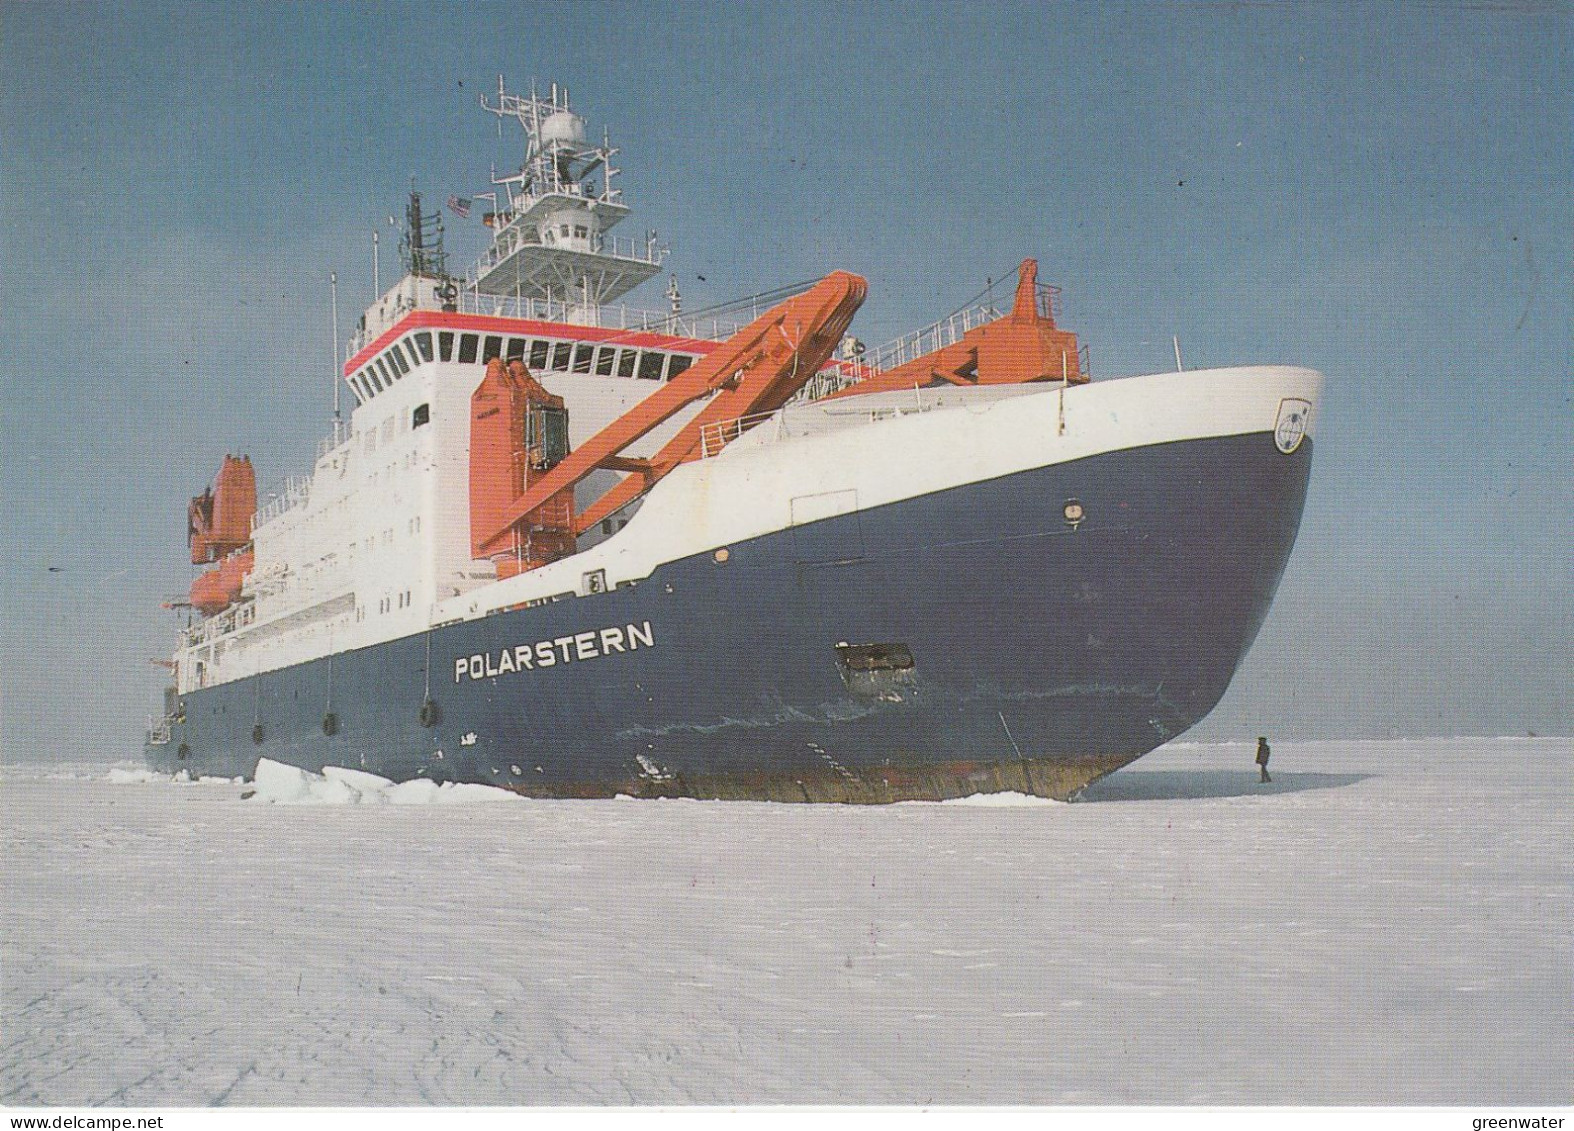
(718, 434)
(949, 330)
(612, 247)
(946, 332)
(221, 624)
(618, 317)
(620, 248)
(295, 490)
(339, 437)
(832, 379)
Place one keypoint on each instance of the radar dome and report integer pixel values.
(563, 126)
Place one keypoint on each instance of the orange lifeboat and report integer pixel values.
(218, 589)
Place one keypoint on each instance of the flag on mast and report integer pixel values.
(459, 206)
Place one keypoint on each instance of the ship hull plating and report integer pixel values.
(1044, 652)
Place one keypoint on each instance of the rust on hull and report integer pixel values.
(1059, 779)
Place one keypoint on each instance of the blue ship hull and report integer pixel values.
(1043, 654)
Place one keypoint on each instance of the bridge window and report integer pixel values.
(467, 344)
(650, 363)
(582, 355)
(560, 352)
(445, 345)
(626, 359)
(396, 362)
(538, 353)
(516, 349)
(405, 352)
(376, 384)
(493, 348)
(605, 356)
(423, 345)
(680, 362)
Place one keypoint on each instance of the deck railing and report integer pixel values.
(295, 490)
(618, 317)
(718, 434)
(613, 247)
(339, 437)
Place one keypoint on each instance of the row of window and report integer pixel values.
(542, 355)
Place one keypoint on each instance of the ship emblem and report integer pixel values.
(1291, 427)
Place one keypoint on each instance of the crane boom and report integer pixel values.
(754, 372)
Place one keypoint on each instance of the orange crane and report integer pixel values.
(1024, 345)
(753, 373)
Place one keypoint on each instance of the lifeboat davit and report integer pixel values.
(218, 526)
(218, 521)
(518, 433)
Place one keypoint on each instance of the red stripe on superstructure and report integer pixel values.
(562, 331)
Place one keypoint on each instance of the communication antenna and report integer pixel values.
(377, 279)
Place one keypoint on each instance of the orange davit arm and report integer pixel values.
(1024, 345)
(755, 371)
(218, 521)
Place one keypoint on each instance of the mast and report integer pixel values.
(333, 343)
(551, 239)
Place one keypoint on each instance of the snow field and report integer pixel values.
(1385, 923)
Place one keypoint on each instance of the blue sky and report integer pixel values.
(1381, 192)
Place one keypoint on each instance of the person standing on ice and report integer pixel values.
(1262, 758)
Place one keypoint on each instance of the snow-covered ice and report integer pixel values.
(289, 785)
(1384, 923)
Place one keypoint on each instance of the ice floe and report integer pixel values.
(280, 784)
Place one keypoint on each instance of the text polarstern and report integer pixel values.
(589, 645)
